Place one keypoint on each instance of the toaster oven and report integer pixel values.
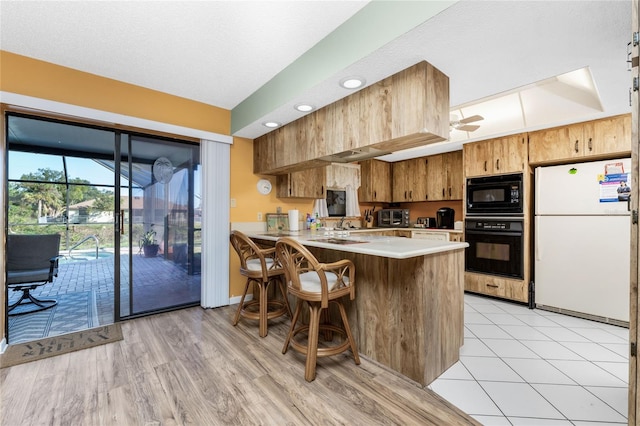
(393, 218)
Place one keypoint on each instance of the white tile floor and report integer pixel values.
(531, 367)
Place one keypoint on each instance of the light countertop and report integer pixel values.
(360, 242)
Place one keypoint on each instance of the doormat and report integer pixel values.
(58, 345)
(74, 312)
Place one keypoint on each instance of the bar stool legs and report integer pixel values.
(313, 331)
(259, 265)
(267, 309)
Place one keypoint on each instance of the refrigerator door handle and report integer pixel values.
(536, 191)
(629, 203)
(536, 240)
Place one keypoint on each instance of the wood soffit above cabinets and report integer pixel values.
(406, 110)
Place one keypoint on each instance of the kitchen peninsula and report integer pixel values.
(408, 310)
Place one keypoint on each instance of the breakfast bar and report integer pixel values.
(408, 310)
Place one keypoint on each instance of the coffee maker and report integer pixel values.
(445, 218)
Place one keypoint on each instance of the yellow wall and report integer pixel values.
(31, 77)
(249, 201)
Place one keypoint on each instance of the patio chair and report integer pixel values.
(32, 261)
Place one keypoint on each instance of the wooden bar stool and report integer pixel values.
(316, 284)
(260, 267)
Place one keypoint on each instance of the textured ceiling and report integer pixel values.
(223, 52)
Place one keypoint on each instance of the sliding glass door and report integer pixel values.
(127, 208)
(161, 212)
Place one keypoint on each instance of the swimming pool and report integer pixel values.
(85, 256)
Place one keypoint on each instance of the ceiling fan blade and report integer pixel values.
(471, 119)
(466, 128)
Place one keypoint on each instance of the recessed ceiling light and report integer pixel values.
(271, 124)
(304, 107)
(352, 82)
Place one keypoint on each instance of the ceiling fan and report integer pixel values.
(462, 124)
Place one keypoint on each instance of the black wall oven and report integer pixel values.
(496, 246)
(495, 195)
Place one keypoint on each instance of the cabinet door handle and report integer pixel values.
(405, 195)
(485, 166)
(576, 146)
(410, 194)
(442, 192)
(498, 164)
(449, 192)
(375, 195)
(493, 285)
(590, 147)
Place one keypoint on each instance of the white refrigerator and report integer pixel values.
(582, 238)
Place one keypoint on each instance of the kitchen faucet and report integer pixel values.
(340, 222)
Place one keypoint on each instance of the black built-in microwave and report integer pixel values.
(495, 195)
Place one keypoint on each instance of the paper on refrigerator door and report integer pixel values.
(589, 188)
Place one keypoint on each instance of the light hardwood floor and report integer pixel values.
(193, 367)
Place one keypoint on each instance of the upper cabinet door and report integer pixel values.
(495, 156)
(435, 178)
(303, 184)
(608, 137)
(510, 154)
(400, 181)
(375, 183)
(478, 158)
(560, 143)
(454, 174)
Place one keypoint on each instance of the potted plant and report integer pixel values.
(148, 243)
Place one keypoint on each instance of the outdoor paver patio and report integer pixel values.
(158, 284)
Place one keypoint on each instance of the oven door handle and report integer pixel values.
(492, 232)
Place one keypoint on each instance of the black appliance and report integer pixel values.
(495, 247)
(445, 218)
(495, 195)
(393, 218)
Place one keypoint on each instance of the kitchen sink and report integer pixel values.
(282, 234)
(337, 241)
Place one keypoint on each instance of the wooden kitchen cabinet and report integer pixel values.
(404, 180)
(375, 186)
(407, 110)
(400, 181)
(496, 156)
(596, 139)
(454, 175)
(409, 180)
(496, 286)
(439, 235)
(559, 143)
(417, 173)
(265, 150)
(434, 178)
(303, 184)
(313, 183)
(444, 176)
(430, 235)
